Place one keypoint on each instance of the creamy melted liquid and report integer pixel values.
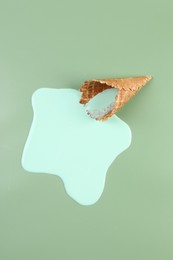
(65, 141)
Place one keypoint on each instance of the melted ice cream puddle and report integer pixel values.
(102, 103)
(66, 142)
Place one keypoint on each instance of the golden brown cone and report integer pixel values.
(127, 88)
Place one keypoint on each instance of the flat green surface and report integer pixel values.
(59, 44)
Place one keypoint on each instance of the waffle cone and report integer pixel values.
(127, 88)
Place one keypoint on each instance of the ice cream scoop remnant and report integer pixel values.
(102, 103)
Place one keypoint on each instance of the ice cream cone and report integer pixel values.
(127, 88)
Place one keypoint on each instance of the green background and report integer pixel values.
(59, 44)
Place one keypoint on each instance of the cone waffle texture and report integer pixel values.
(127, 88)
